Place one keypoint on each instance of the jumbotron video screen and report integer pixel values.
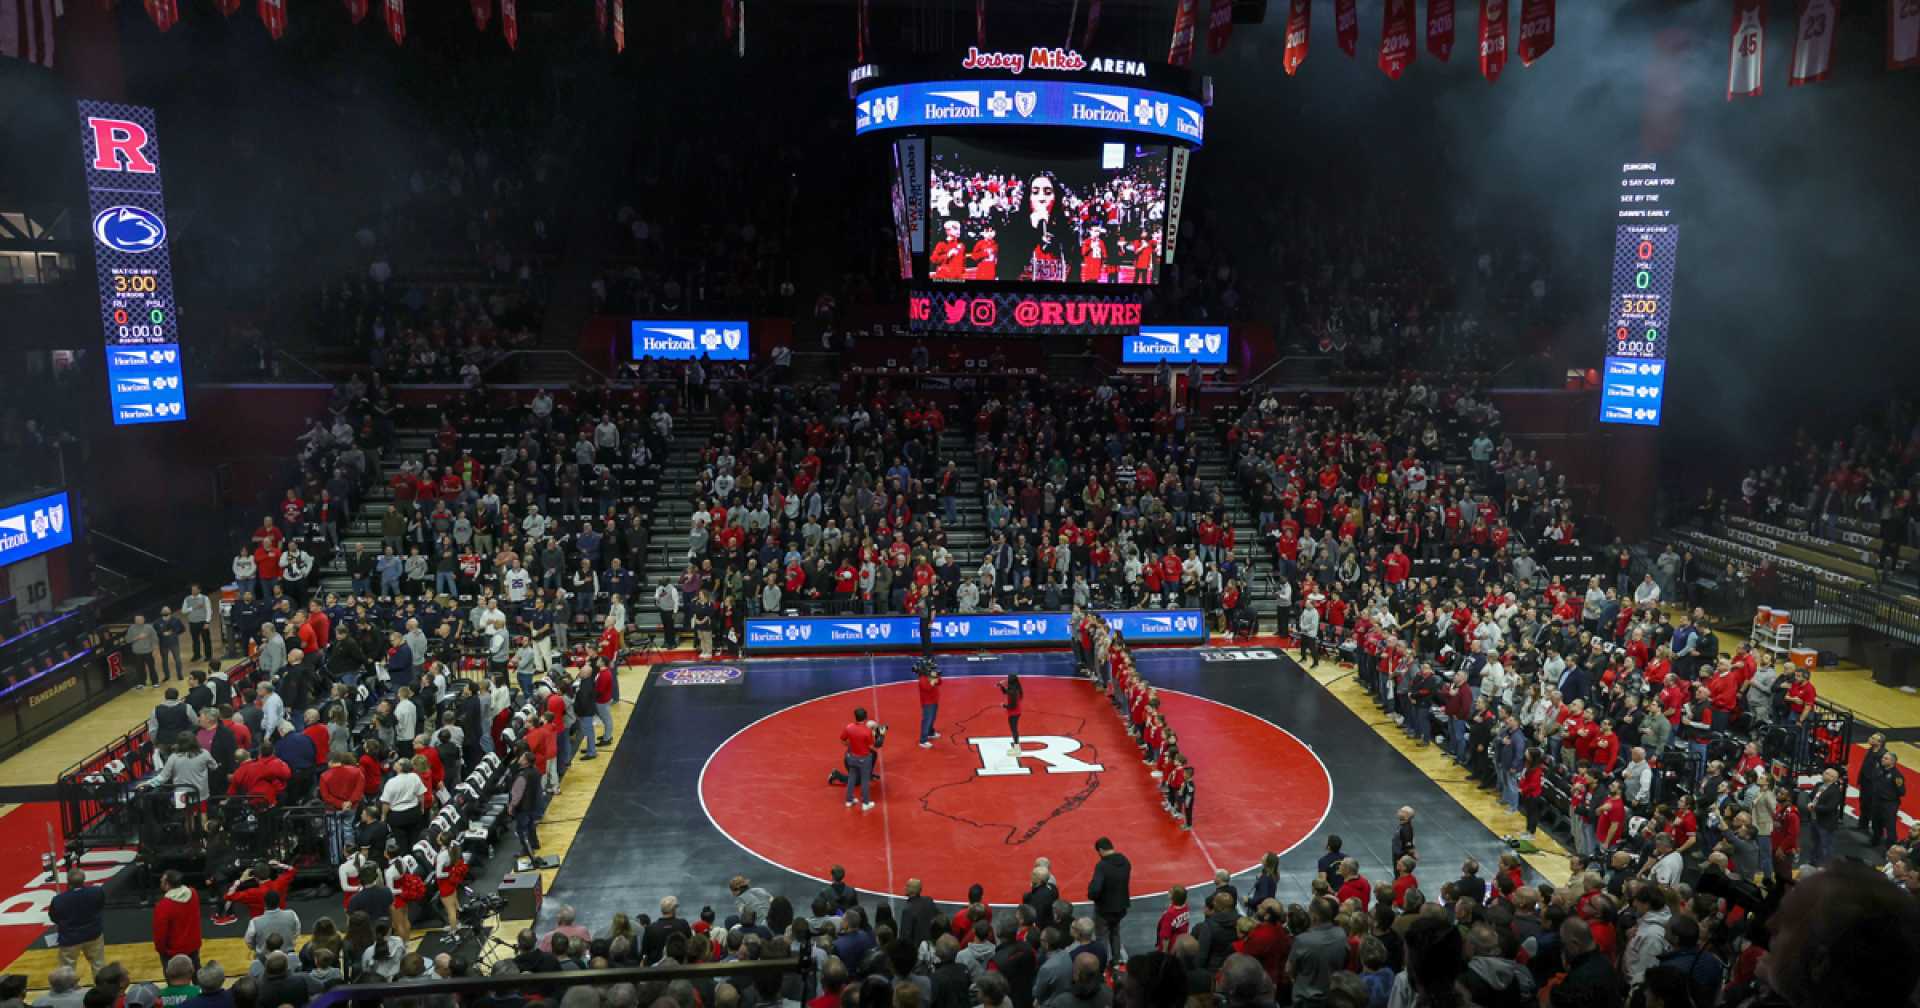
(1091, 214)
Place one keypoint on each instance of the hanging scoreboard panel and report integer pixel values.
(1645, 256)
(131, 264)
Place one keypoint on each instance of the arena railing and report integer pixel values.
(92, 790)
(550, 986)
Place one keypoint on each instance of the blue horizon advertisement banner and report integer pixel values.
(138, 316)
(677, 339)
(1175, 345)
(1031, 103)
(969, 630)
(33, 527)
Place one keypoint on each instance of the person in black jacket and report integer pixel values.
(1015, 960)
(1885, 790)
(1591, 980)
(952, 984)
(1042, 894)
(1217, 933)
(916, 918)
(1110, 890)
(1829, 801)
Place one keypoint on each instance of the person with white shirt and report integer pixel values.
(517, 581)
(406, 719)
(401, 799)
(1647, 594)
(1636, 781)
(535, 524)
(1667, 864)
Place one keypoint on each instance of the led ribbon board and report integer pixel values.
(1030, 103)
(121, 147)
(1645, 247)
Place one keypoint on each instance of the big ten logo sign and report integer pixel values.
(1000, 756)
(28, 907)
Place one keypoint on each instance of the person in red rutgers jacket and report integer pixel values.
(176, 919)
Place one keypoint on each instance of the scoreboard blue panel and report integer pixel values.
(138, 316)
(1645, 256)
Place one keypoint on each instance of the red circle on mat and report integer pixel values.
(960, 813)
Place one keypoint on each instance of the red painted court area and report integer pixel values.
(964, 812)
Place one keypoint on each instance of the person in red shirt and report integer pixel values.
(342, 786)
(249, 892)
(1174, 921)
(929, 675)
(1532, 782)
(604, 690)
(1724, 689)
(860, 741)
(1610, 822)
(373, 770)
(1399, 567)
(1354, 885)
(262, 777)
(1786, 834)
(1403, 881)
(176, 919)
(1800, 696)
(1605, 751)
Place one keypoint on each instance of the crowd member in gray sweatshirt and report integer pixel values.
(142, 643)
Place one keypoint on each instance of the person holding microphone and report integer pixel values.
(1013, 691)
(862, 738)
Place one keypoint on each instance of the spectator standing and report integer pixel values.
(1110, 890)
(197, 608)
(176, 924)
(168, 629)
(79, 917)
(142, 641)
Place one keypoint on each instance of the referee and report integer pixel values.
(860, 742)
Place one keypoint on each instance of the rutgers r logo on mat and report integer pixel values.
(1053, 752)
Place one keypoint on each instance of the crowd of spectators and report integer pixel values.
(1866, 478)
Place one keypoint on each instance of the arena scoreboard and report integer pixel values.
(1645, 254)
(138, 314)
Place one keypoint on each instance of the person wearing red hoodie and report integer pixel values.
(176, 920)
(262, 778)
(1270, 942)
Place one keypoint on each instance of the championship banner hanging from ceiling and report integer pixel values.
(510, 23)
(1746, 50)
(1346, 27)
(1220, 26)
(730, 17)
(1903, 34)
(600, 17)
(1493, 38)
(1093, 25)
(1440, 29)
(1536, 30)
(1396, 38)
(619, 26)
(357, 10)
(1299, 28)
(1186, 13)
(165, 13)
(227, 7)
(273, 14)
(482, 13)
(1813, 41)
(397, 21)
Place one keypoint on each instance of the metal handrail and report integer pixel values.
(123, 544)
(577, 359)
(302, 365)
(1257, 379)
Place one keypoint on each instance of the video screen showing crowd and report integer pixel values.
(1006, 215)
